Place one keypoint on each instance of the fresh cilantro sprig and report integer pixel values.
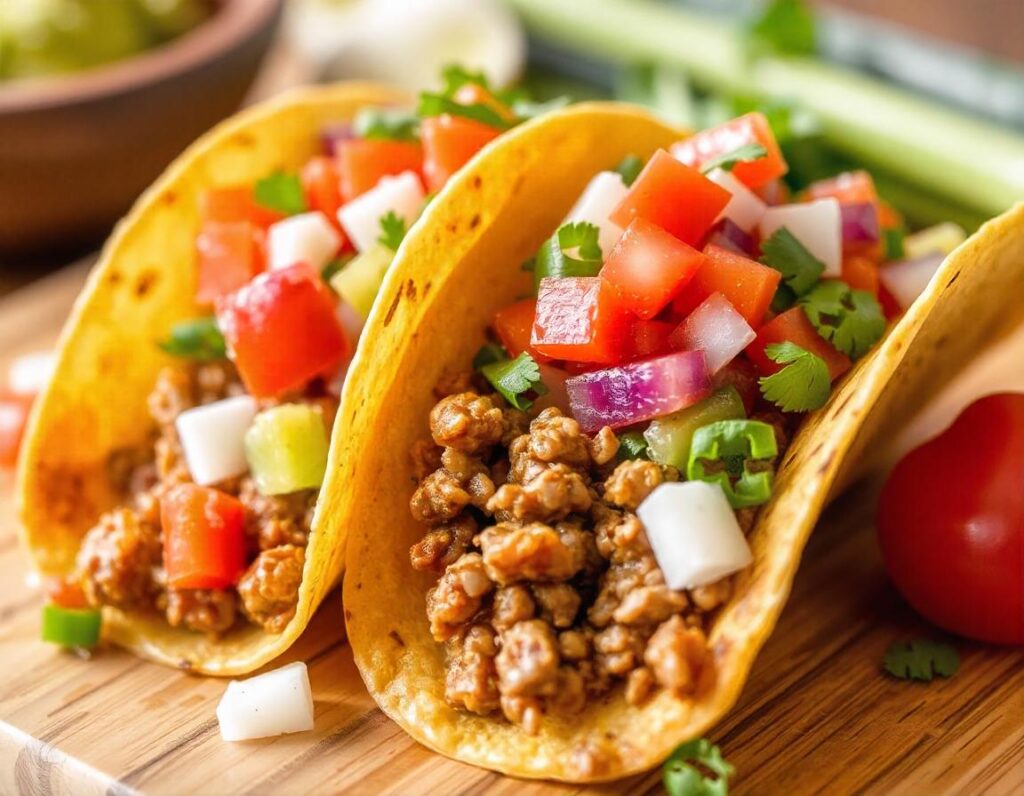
(802, 385)
(727, 161)
(921, 660)
(800, 269)
(196, 339)
(687, 770)
(785, 27)
(282, 192)
(392, 230)
(513, 378)
(632, 445)
(573, 250)
(629, 168)
(394, 124)
(893, 239)
(852, 320)
(437, 104)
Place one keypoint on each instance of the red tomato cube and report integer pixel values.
(579, 320)
(449, 142)
(321, 184)
(204, 537)
(751, 128)
(794, 327)
(362, 163)
(229, 255)
(861, 273)
(230, 205)
(648, 267)
(850, 188)
(675, 197)
(748, 285)
(513, 325)
(648, 339)
(282, 330)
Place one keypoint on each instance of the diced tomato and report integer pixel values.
(321, 184)
(230, 205)
(66, 593)
(861, 273)
(748, 285)
(282, 330)
(648, 339)
(579, 320)
(449, 142)
(850, 188)
(794, 327)
(204, 537)
(675, 197)
(890, 306)
(229, 255)
(888, 216)
(362, 162)
(741, 375)
(648, 267)
(513, 325)
(475, 94)
(751, 128)
(14, 410)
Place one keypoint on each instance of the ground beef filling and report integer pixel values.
(120, 562)
(548, 592)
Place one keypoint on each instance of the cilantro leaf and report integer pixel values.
(438, 104)
(802, 385)
(395, 124)
(852, 320)
(684, 772)
(785, 27)
(632, 445)
(513, 377)
(554, 258)
(334, 266)
(392, 230)
(281, 192)
(893, 240)
(920, 659)
(455, 76)
(799, 268)
(727, 161)
(629, 168)
(488, 353)
(199, 339)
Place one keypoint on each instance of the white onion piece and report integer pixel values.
(30, 373)
(717, 329)
(212, 437)
(745, 208)
(908, 279)
(306, 238)
(601, 196)
(269, 704)
(941, 238)
(403, 195)
(817, 225)
(694, 533)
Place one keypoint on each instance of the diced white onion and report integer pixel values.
(941, 238)
(30, 373)
(908, 279)
(817, 225)
(269, 704)
(745, 208)
(717, 329)
(213, 438)
(403, 195)
(601, 196)
(694, 533)
(305, 238)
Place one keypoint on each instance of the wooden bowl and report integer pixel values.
(76, 150)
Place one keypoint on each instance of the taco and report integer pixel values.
(176, 475)
(622, 373)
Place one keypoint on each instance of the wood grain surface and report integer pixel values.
(817, 716)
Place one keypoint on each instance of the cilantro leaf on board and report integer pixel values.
(392, 230)
(800, 269)
(921, 660)
(686, 772)
(281, 192)
(802, 385)
(514, 377)
(852, 320)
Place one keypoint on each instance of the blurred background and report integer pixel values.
(97, 96)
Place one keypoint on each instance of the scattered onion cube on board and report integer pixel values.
(817, 225)
(30, 373)
(908, 279)
(286, 448)
(213, 438)
(402, 195)
(274, 703)
(306, 238)
(694, 534)
(601, 196)
(745, 209)
(717, 329)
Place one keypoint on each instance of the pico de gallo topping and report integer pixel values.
(217, 508)
(589, 486)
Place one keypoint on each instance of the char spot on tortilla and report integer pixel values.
(169, 198)
(474, 222)
(244, 139)
(452, 227)
(145, 283)
(410, 290)
(952, 279)
(391, 310)
(477, 182)
(426, 288)
(348, 615)
(114, 277)
(397, 638)
(359, 586)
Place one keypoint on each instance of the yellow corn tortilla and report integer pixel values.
(451, 275)
(108, 360)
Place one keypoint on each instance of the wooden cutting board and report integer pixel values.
(817, 715)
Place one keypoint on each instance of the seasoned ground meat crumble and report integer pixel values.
(548, 592)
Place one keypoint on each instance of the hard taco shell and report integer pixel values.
(453, 272)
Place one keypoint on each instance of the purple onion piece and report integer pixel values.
(729, 236)
(860, 222)
(334, 133)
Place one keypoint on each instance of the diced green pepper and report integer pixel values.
(71, 627)
(286, 448)
(735, 444)
(668, 438)
(359, 280)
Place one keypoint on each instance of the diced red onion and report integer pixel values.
(908, 279)
(628, 394)
(333, 134)
(860, 222)
(715, 328)
(727, 235)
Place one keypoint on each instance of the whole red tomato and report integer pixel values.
(951, 523)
